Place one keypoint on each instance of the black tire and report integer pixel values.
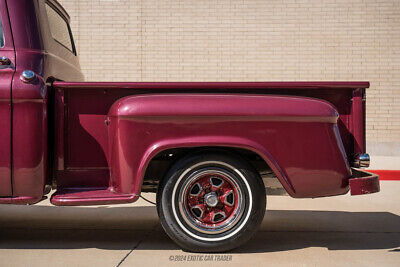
(182, 224)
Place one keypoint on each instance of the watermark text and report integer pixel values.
(201, 257)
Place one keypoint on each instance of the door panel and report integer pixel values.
(6, 75)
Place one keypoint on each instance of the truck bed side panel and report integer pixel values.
(83, 155)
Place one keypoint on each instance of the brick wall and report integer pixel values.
(249, 40)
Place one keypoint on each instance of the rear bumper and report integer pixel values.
(363, 182)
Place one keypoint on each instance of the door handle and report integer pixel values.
(5, 61)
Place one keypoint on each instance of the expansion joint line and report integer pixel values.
(137, 244)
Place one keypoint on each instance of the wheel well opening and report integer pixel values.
(162, 162)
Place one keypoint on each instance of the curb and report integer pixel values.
(388, 175)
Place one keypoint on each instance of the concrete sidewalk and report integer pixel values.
(344, 231)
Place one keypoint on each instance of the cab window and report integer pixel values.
(1, 35)
(59, 28)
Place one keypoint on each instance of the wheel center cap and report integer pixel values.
(211, 199)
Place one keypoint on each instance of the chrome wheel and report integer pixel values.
(211, 201)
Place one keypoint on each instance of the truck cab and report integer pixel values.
(36, 41)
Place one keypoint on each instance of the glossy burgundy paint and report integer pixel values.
(211, 85)
(358, 120)
(92, 196)
(24, 200)
(6, 74)
(295, 136)
(29, 150)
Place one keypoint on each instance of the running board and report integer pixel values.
(91, 196)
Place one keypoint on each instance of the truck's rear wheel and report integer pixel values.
(211, 202)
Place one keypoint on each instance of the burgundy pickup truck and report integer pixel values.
(210, 150)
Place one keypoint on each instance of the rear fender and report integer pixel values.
(296, 136)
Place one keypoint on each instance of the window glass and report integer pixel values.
(1, 35)
(59, 28)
